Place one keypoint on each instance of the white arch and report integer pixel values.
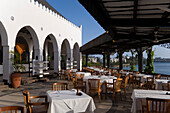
(55, 51)
(65, 49)
(35, 41)
(76, 55)
(3, 33)
(4, 41)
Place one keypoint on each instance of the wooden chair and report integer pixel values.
(137, 80)
(12, 108)
(60, 86)
(118, 75)
(166, 86)
(131, 80)
(158, 76)
(150, 86)
(150, 80)
(155, 105)
(95, 86)
(115, 87)
(40, 107)
(80, 85)
(124, 85)
(79, 77)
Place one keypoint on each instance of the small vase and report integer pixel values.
(16, 79)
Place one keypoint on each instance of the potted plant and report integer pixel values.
(18, 68)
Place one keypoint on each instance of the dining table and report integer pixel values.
(160, 82)
(85, 74)
(139, 94)
(143, 77)
(66, 101)
(103, 79)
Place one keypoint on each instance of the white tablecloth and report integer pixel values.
(143, 77)
(85, 74)
(138, 94)
(73, 70)
(159, 83)
(68, 102)
(125, 73)
(103, 79)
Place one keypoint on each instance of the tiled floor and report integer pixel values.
(11, 96)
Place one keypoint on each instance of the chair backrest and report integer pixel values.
(117, 85)
(158, 76)
(26, 98)
(126, 81)
(94, 84)
(168, 85)
(137, 78)
(155, 105)
(60, 86)
(12, 109)
(118, 75)
(79, 77)
(150, 79)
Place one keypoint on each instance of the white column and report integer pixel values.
(6, 63)
(56, 61)
(37, 54)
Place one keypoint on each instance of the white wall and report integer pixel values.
(16, 14)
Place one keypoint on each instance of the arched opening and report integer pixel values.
(76, 56)
(4, 53)
(65, 55)
(50, 52)
(27, 46)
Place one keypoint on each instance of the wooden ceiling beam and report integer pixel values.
(140, 22)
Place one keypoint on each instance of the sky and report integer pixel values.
(77, 14)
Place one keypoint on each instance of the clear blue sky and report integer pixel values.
(77, 14)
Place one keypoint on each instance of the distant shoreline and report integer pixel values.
(161, 61)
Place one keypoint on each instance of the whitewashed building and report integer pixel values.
(45, 34)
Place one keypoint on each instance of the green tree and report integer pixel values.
(132, 64)
(149, 68)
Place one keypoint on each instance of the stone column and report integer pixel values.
(120, 61)
(140, 60)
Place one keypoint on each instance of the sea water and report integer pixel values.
(160, 67)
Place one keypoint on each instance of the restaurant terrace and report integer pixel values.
(53, 79)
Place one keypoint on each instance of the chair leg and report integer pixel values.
(125, 92)
(99, 96)
(120, 95)
(106, 94)
(114, 93)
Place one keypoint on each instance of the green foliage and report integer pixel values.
(132, 67)
(15, 57)
(149, 68)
